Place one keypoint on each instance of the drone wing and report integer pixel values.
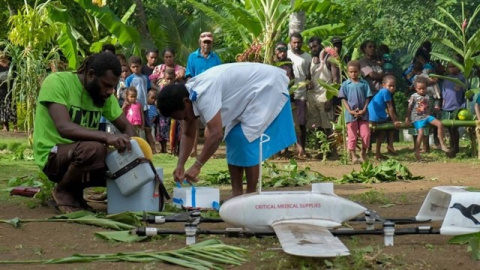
(309, 238)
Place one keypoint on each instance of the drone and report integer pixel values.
(308, 223)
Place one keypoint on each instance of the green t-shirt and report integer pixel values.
(65, 88)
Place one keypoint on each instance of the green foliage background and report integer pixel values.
(402, 25)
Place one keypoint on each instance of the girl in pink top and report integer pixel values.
(133, 110)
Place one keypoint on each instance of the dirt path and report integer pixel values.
(54, 240)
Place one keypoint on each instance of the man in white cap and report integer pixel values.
(199, 61)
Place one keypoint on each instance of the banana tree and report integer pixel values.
(169, 28)
(257, 24)
(459, 40)
(127, 36)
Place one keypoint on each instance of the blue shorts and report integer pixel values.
(281, 131)
(423, 123)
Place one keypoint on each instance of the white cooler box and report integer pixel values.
(201, 197)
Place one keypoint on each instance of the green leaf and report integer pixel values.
(454, 80)
(73, 215)
(472, 18)
(66, 40)
(452, 46)
(228, 23)
(316, 6)
(475, 246)
(448, 59)
(447, 28)
(463, 239)
(325, 30)
(127, 218)
(210, 254)
(120, 236)
(68, 45)
(127, 36)
(452, 18)
(129, 13)
(15, 222)
(88, 218)
(332, 89)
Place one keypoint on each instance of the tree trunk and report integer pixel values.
(297, 21)
(143, 27)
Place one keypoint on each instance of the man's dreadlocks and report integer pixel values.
(100, 63)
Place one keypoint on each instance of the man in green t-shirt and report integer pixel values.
(67, 144)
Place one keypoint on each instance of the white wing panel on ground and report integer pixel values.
(309, 238)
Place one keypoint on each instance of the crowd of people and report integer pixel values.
(366, 94)
(233, 102)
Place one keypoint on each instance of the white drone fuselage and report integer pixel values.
(258, 211)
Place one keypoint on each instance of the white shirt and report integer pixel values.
(252, 94)
(320, 71)
(301, 70)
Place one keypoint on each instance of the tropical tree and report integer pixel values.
(460, 41)
(256, 24)
(175, 28)
(127, 36)
(33, 36)
(30, 37)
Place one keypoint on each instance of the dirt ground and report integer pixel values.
(55, 240)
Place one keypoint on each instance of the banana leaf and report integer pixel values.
(325, 30)
(79, 217)
(310, 6)
(210, 254)
(332, 89)
(88, 218)
(120, 236)
(15, 222)
(127, 36)
(448, 59)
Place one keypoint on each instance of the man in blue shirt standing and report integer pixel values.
(203, 58)
(199, 61)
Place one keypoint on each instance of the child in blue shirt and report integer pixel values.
(355, 94)
(377, 111)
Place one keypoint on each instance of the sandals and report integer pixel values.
(64, 208)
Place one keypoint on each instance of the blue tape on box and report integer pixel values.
(194, 191)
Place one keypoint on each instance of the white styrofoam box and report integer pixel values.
(136, 177)
(202, 197)
(140, 200)
(409, 138)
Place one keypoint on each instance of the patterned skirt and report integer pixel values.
(8, 113)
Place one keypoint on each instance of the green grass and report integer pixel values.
(371, 197)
